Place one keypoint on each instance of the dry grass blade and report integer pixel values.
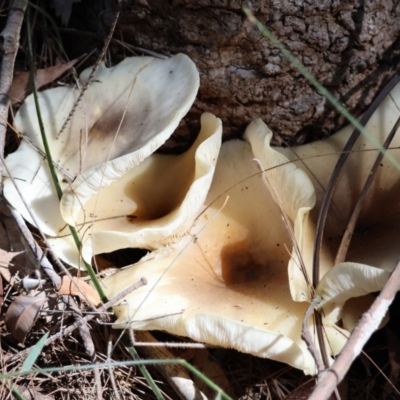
(323, 213)
(84, 332)
(344, 245)
(2, 297)
(336, 173)
(306, 336)
(111, 371)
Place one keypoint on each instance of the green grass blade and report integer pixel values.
(57, 38)
(15, 391)
(53, 173)
(146, 374)
(38, 113)
(114, 364)
(34, 354)
(206, 380)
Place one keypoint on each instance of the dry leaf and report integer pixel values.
(22, 314)
(21, 85)
(11, 239)
(5, 259)
(7, 256)
(33, 393)
(85, 291)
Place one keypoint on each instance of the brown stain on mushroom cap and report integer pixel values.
(239, 265)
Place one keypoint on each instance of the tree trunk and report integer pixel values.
(351, 47)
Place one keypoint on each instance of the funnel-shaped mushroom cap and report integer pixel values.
(377, 231)
(127, 112)
(293, 199)
(155, 202)
(226, 282)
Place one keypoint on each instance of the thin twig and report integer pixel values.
(35, 250)
(306, 336)
(327, 200)
(344, 244)
(367, 325)
(84, 332)
(76, 324)
(95, 67)
(323, 213)
(9, 42)
(111, 371)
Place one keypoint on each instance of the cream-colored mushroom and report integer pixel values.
(226, 282)
(127, 112)
(377, 233)
(154, 203)
(218, 271)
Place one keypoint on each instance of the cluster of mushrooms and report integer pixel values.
(229, 227)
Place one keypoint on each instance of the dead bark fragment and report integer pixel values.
(9, 41)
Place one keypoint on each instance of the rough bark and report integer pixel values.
(9, 42)
(352, 47)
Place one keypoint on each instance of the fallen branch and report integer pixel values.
(367, 325)
(306, 336)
